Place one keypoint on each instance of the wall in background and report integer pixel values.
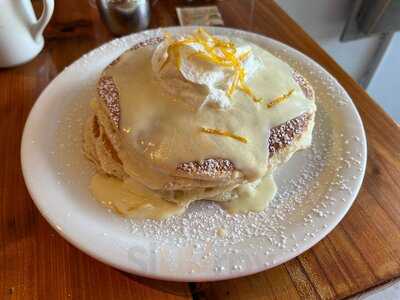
(385, 83)
(324, 20)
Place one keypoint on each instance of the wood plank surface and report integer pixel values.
(36, 263)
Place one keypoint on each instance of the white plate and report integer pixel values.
(316, 187)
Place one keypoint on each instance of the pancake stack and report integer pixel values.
(198, 117)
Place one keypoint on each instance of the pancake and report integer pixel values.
(213, 177)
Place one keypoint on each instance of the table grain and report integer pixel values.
(363, 251)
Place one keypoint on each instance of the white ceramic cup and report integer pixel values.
(21, 34)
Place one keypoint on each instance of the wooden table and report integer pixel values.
(35, 262)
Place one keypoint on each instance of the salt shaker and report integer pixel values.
(125, 16)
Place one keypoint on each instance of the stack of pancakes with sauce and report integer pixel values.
(197, 117)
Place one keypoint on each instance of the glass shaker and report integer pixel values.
(125, 16)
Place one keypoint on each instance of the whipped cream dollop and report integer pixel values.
(191, 69)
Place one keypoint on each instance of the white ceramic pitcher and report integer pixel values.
(21, 34)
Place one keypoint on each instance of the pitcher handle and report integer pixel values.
(48, 8)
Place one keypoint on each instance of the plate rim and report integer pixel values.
(24, 154)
